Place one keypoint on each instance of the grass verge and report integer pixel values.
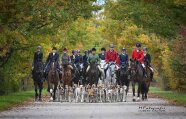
(175, 98)
(14, 99)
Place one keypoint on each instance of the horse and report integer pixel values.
(123, 80)
(84, 66)
(146, 82)
(38, 79)
(103, 67)
(53, 80)
(79, 74)
(110, 74)
(66, 78)
(136, 76)
(93, 74)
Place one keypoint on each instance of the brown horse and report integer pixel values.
(145, 84)
(53, 80)
(38, 79)
(136, 76)
(66, 79)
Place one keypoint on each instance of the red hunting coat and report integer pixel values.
(138, 56)
(112, 56)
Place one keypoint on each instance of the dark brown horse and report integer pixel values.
(66, 75)
(66, 79)
(145, 84)
(53, 80)
(136, 76)
(93, 74)
(123, 80)
(38, 79)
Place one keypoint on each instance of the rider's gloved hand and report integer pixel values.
(117, 67)
(32, 68)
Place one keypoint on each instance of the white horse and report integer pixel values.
(110, 74)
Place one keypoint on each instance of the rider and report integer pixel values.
(137, 54)
(123, 57)
(93, 58)
(72, 57)
(112, 56)
(53, 56)
(147, 59)
(89, 52)
(78, 59)
(102, 56)
(66, 59)
(85, 58)
(38, 56)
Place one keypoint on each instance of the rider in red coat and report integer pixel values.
(138, 54)
(112, 55)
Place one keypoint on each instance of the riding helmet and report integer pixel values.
(72, 51)
(103, 49)
(54, 48)
(39, 47)
(65, 49)
(138, 45)
(145, 49)
(93, 49)
(111, 45)
(78, 51)
(123, 49)
(85, 51)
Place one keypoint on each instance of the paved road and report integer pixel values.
(152, 109)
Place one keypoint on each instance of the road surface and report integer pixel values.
(154, 108)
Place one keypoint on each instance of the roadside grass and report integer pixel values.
(14, 99)
(176, 98)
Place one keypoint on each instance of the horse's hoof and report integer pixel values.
(134, 100)
(40, 100)
(138, 99)
(51, 99)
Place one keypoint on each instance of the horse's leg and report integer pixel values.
(139, 90)
(40, 90)
(127, 84)
(36, 94)
(133, 90)
(105, 95)
(147, 91)
(54, 93)
(50, 90)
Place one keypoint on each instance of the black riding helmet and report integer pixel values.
(85, 51)
(93, 49)
(138, 45)
(103, 49)
(145, 49)
(54, 48)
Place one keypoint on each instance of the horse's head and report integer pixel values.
(133, 65)
(81, 67)
(124, 66)
(103, 64)
(112, 67)
(53, 65)
(93, 65)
